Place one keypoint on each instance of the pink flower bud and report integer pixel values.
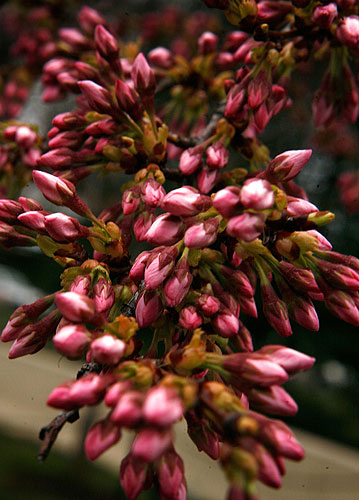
(98, 97)
(104, 295)
(217, 155)
(34, 220)
(143, 76)
(166, 230)
(235, 102)
(275, 311)
(63, 228)
(257, 194)
(324, 15)
(297, 207)
(25, 137)
(143, 223)
(161, 57)
(162, 406)
(81, 284)
(107, 349)
(302, 279)
(189, 318)
(133, 474)
(202, 235)
(106, 43)
(58, 191)
(88, 390)
(149, 308)
(128, 99)
(9, 210)
(114, 393)
(341, 304)
(73, 37)
(138, 268)
(72, 340)
(207, 43)
(207, 179)
(208, 304)
(291, 360)
(28, 204)
(258, 90)
(152, 193)
(159, 267)
(130, 201)
(185, 201)
(170, 475)
(226, 323)
(202, 435)
(76, 307)
(101, 436)
(288, 165)
(339, 276)
(128, 410)
(279, 437)
(273, 400)
(88, 19)
(149, 444)
(254, 370)
(246, 226)
(348, 32)
(177, 285)
(190, 160)
(227, 201)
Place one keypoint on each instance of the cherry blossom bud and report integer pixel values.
(152, 193)
(254, 369)
(149, 308)
(81, 284)
(9, 210)
(257, 194)
(189, 318)
(166, 230)
(106, 43)
(217, 155)
(58, 191)
(29, 205)
(98, 97)
(190, 160)
(227, 201)
(107, 349)
(208, 304)
(114, 392)
(128, 410)
(302, 279)
(150, 444)
(159, 267)
(291, 360)
(63, 228)
(130, 201)
(201, 235)
(348, 32)
(88, 19)
(207, 179)
(170, 473)
(57, 158)
(133, 474)
(279, 437)
(87, 390)
(101, 436)
(185, 201)
(143, 223)
(226, 323)
(72, 340)
(73, 37)
(178, 284)
(258, 90)
(76, 307)
(235, 102)
(275, 311)
(339, 276)
(288, 165)
(25, 137)
(297, 207)
(324, 15)
(143, 76)
(341, 304)
(161, 57)
(273, 400)
(202, 435)
(207, 43)
(246, 226)
(162, 406)
(104, 295)
(128, 99)
(138, 268)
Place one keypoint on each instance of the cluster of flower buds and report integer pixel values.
(20, 148)
(165, 326)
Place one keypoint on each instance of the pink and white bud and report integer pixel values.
(273, 400)
(104, 295)
(235, 103)
(142, 224)
(152, 193)
(207, 179)
(58, 191)
(143, 76)
(149, 308)
(81, 284)
(133, 475)
(101, 436)
(291, 360)
(324, 15)
(258, 90)
(25, 137)
(98, 97)
(150, 444)
(76, 307)
(130, 201)
(170, 473)
(167, 229)
(208, 304)
(189, 318)
(88, 18)
(88, 390)
(217, 155)
(10, 210)
(72, 340)
(161, 57)
(114, 392)
(348, 32)
(128, 410)
(128, 99)
(29, 204)
(279, 437)
(321, 241)
(201, 235)
(185, 201)
(106, 43)
(107, 349)
(227, 201)
(162, 406)
(178, 284)
(246, 226)
(63, 228)
(252, 369)
(297, 207)
(226, 323)
(257, 194)
(190, 160)
(288, 165)
(207, 43)
(158, 267)
(138, 269)
(275, 310)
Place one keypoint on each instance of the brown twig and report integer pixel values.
(49, 433)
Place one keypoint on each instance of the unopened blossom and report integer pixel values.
(208, 304)
(128, 410)
(149, 308)
(324, 15)
(63, 228)
(152, 193)
(158, 267)
(58, 191)
(189, 318)
(190, 160)
(171, 475)
(177, 285)
(246, 226)
(133, 474)
(165, 230)
(217, 155)
(207, 179)
(202, 234)
(162, 406)
(72, 340)
(101, 436)
(291, 360)
(161, 57)
(288, 165)
(185, 201)
(348, 32)
(143, 76)
(76, 307)
(257, 194)
(107, 349)
(150, 444)
(227, 200)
